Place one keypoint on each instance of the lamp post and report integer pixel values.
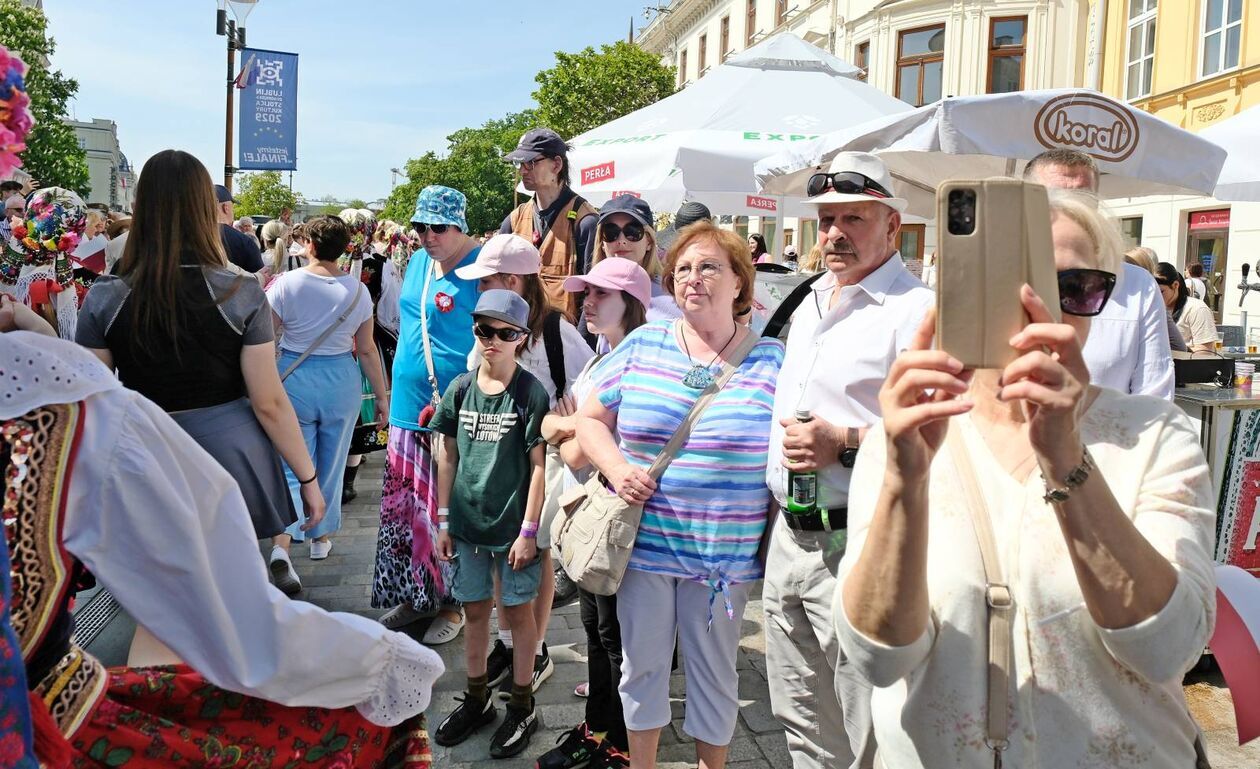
(225, 27)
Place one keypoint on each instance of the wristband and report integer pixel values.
(529, 530)
(444, 526)
(443, 512)
(312, 479)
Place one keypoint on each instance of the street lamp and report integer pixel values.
(225, 27)
(394, 173)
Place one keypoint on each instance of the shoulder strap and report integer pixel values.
(345, 313)
(436, 396)
(784, 311)
(553, 345)
(697, 409)
(462, 383)
(997, 599)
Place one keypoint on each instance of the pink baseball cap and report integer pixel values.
(509, 253)
(618, 274)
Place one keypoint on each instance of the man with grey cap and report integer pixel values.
(844, 338)
(558, 221)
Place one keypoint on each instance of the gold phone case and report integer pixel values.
(979, 274)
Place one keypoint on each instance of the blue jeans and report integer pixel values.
(326, 392)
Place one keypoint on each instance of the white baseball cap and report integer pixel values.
(870, 182)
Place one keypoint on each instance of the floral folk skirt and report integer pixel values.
(169, 716)
(407, 568)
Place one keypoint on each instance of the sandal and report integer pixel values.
(583, 689)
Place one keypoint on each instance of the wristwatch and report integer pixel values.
(848, 452)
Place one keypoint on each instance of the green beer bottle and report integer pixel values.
(802, 487)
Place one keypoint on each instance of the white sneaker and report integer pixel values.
(443, 631)
(320, 549)
(282, 572)
(400, 616)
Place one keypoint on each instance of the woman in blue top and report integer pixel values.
(434, 339)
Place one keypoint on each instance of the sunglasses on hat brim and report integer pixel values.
(846, 183)
(1084, 293)
(633, 231)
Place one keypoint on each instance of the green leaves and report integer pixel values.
(102, 753)
(53, 155)
(587, 89)
(263, 193)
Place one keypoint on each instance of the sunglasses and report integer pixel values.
(486, 331)
(1084, 293)
(633, 231)
(421, 228)
(846, 183)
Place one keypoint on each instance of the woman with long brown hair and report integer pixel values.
(196, 337)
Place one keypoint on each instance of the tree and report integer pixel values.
(263, 193)
(357, 203)
(53, 155)
(587, 89)
(474, 165)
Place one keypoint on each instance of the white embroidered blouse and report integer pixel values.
(1081, 695)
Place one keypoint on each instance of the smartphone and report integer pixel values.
(993, 237)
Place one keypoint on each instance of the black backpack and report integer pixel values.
(553, 345)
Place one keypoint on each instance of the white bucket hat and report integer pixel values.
(875, 173)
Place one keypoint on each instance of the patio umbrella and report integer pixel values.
(701, 143)
(1240, 177)
(996, 134)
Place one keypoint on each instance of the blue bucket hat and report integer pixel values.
(441, 205)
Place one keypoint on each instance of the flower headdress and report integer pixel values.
(15, 118)
(50, 230)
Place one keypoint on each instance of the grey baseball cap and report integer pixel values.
(537, 143)
(503, 305)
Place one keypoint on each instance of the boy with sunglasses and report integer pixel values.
(490, 495)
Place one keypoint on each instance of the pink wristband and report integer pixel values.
(529, 530)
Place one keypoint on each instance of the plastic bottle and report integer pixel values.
(802, 487)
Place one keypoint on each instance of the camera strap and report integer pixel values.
(998, 601)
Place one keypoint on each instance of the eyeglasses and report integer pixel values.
(486, 331)
(706, 270)
(633, 231)
(421, 228)
(846, 183)
(525, 165)
(1084, 293)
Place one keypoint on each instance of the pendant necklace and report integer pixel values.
(699, 377)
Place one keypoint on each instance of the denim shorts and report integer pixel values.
(476, 567)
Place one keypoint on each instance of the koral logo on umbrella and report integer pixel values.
(600, 173)
(1091, 124)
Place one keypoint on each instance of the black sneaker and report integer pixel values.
(543, 668)
(566, 589)
(513, 734)
(498, 664)
(466, 719)
(608, 757)
(574, 750)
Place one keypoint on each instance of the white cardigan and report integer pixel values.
(1081, 695)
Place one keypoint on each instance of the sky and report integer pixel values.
(379, 81)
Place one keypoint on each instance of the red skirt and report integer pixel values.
(172, 717)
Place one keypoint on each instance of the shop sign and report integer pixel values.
(1210, 220)
(762, 204)
(600, 173)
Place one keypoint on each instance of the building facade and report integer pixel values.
(1193, 63)
(916, 50)
(110, 178)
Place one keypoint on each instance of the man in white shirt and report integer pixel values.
(1127, 348)
(844, 337)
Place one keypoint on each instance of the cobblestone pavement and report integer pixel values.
(343, 583)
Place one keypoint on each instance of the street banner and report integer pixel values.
(268, 111)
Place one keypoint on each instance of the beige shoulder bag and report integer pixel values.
(595, 530)
(997, 594)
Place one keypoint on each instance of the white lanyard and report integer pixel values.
(424, 332)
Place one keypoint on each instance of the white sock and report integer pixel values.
(505, 635)
(538, 653)
(279, 552)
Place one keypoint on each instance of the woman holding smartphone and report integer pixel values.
(1101, 571)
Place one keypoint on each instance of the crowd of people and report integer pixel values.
(998, 566)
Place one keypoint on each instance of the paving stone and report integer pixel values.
(774, 748)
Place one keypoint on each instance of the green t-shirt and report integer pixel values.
(494, 435)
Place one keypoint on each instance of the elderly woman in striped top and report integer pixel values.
(696, 552)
